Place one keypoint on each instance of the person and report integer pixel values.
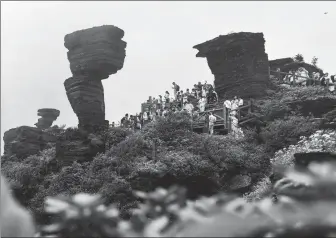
(332, 83)
(112, 125)
(160, 102)
(145, 117)
(185, 97)
(234, 106)
(291, 77)
(187, 92)
(302, 76)
(212, 120)
(138, 122)
(176, 88)
(214, 96)
(188, 107)
(240, 102)
(124, 120)
(201, 104)
(167, 97)
(323, 79)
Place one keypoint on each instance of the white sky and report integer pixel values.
(159, 36)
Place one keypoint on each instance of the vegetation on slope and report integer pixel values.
(202, 163)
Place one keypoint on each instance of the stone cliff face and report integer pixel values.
(24, 141)
(48, 116)
(239, 63)
(94, 54)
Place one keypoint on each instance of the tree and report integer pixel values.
(314, 60)
(299, 58)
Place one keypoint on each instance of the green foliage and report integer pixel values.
(168, 213)
(282, 133)
(299, 58)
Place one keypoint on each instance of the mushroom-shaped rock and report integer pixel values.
(97, 51)
(239, 63)
(48, 116)
(94, 54)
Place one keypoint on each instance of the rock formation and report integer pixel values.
(24, 141)
(239, 63)
(94, 54)
(279, 63)
(48, 116)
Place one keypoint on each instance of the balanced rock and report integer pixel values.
(48, 116)
(98, 51)
(94, 54)
(239, 63)
(24, 141)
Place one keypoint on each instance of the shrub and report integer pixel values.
(320, 141)
(282, 133)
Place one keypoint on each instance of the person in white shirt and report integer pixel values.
(234, 106)
(188, 107)
(176, 88)
(240, 102)
(212, 120)
(201, 104)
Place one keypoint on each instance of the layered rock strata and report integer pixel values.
(48, 116)
(94, 54)
(239, 63)
(24, 141)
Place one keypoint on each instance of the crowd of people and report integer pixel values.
(192, 101)
(302, 77)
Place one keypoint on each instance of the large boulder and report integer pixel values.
(25, 141)
(48, 116)
(97, 51)
(239, 63)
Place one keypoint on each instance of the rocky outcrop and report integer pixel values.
(94, 54)
(24, 141)
(239, 63)
(81, 147)
(48, 116)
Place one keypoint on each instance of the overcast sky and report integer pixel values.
(159, 36)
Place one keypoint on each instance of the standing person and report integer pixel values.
(324, 79)
(185, 97)
(234, 106)
(187, 92)
(160, 102)
(188, 107)
(332, 83)
(201, 104)
(240, 102)
(167, 97)
(112, 125)
(179, 99)
(176, 88)
(212, 120)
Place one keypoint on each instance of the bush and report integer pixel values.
(320, 141)
(282, 133)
